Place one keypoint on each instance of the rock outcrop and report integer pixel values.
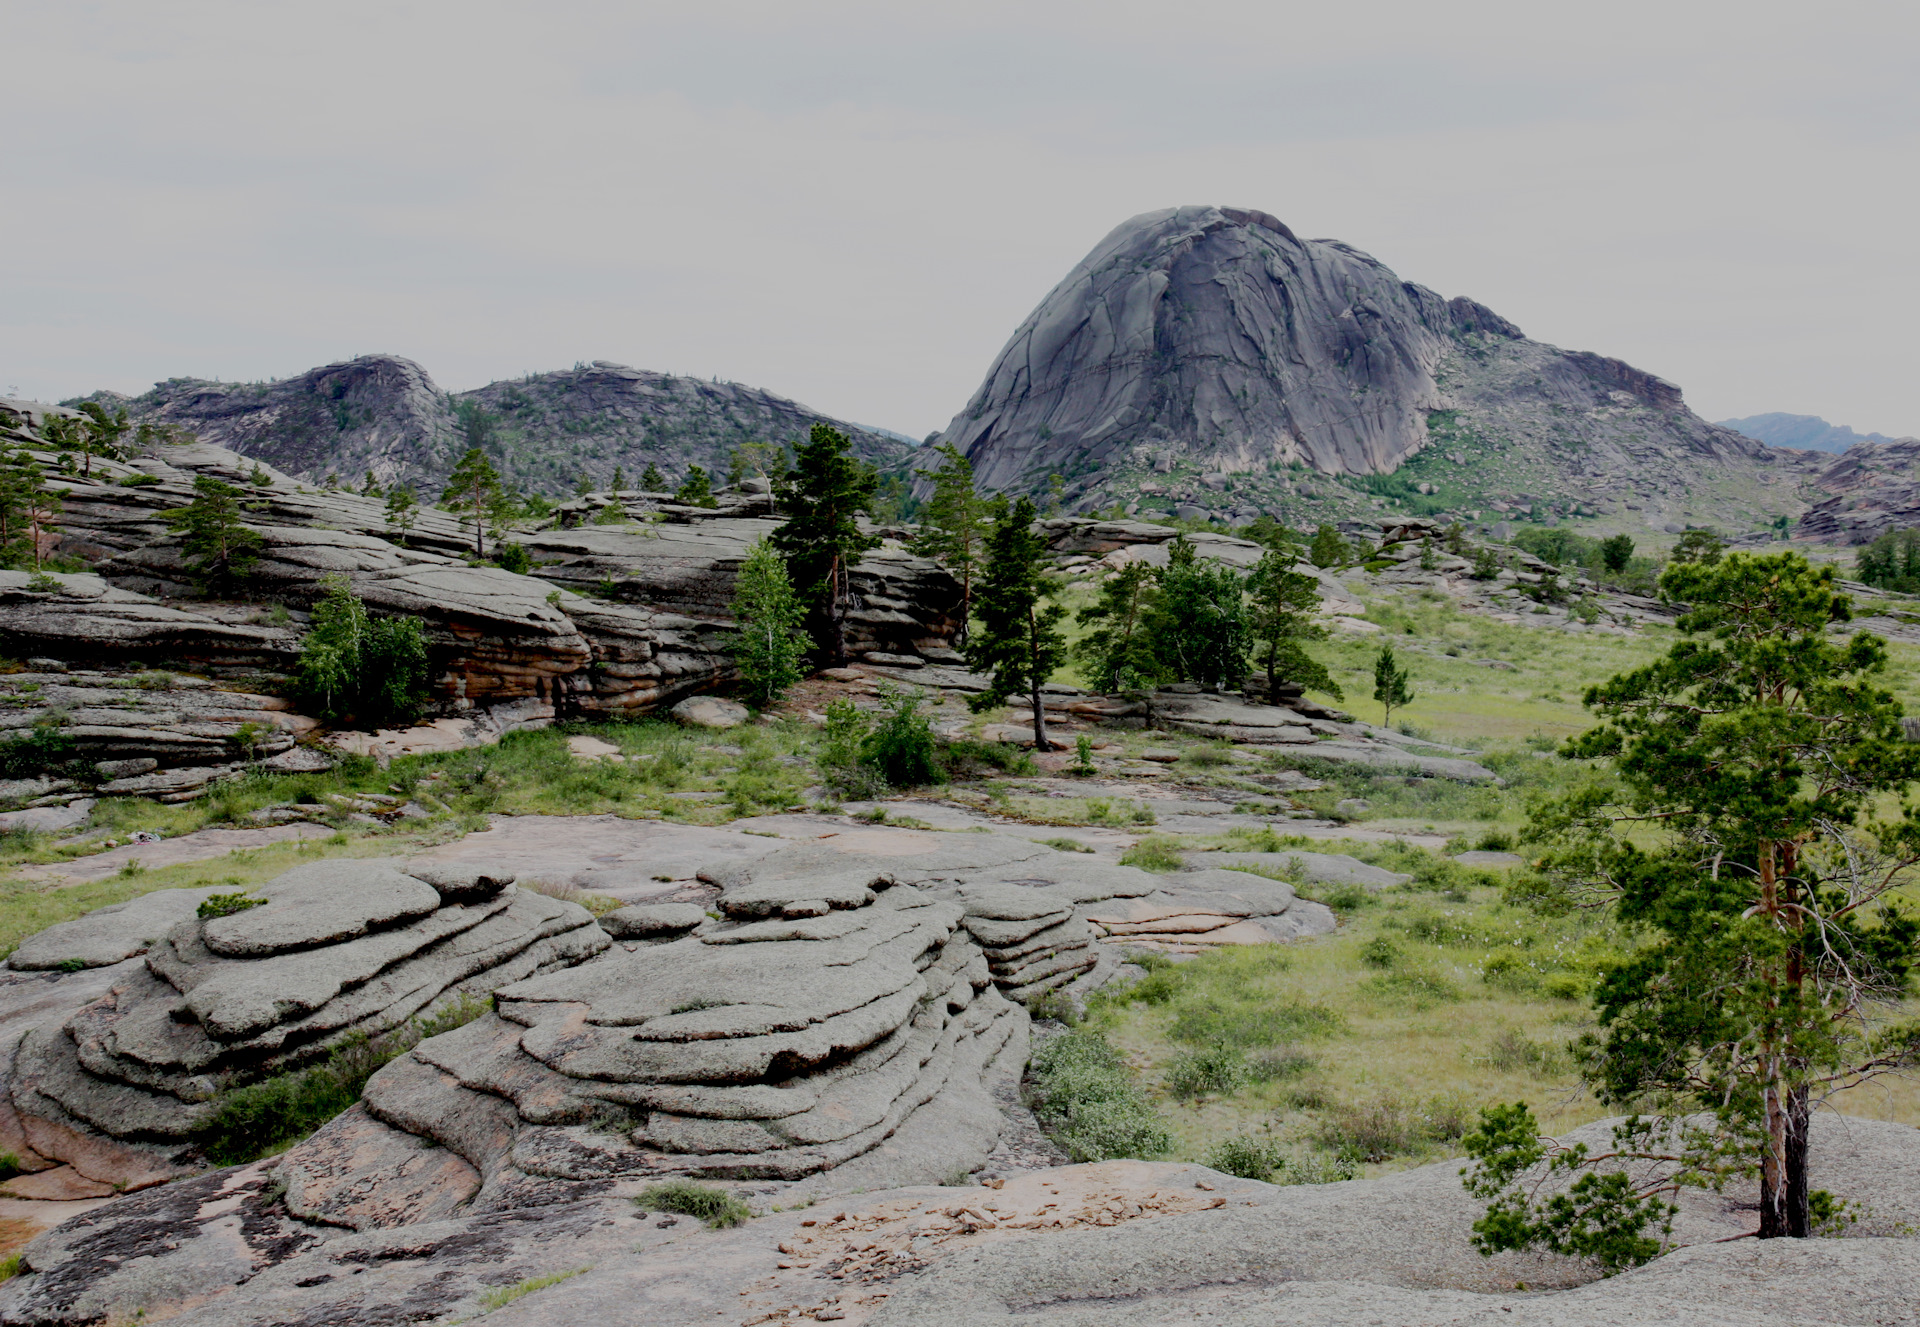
(187, 1007)
(1198, 352)
(385, 415)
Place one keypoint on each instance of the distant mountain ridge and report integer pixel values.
(1208, 362)
(384, 415)
(1805, 432)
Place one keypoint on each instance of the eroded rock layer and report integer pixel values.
(195, 1006)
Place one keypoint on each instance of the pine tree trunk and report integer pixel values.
(1783, 1175)
(836, 628)
(1035, 681)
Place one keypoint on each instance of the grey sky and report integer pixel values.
(854, 204)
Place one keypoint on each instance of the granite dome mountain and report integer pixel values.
(1209, 357)
(545, 431)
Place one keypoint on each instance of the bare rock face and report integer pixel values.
(1215, 341)
(113, 1075)
(385, 415)
(1864, 492)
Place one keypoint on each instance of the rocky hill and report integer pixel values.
(546, 431)
(1208, 361)
(1805, 432)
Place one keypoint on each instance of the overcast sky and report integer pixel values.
(854, 204)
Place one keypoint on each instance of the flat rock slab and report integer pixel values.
(321, 903)
(644, 921)
(198, 846)
(111, 934)
(47, 819)
(636, 861)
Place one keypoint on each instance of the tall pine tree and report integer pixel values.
(1283, 602)
(220, 547)
(1018, 644)
(1118, 653)
(954, 523)
(822, 499)
(473, 490)
(1737, 827)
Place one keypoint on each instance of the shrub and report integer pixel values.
(1495, 841)
(514, 558)
(1212, 1071)
(1275, 1062)
(1085, 1096)
(263, 1118)
(900, 749)
(1249, 1157)
(716, 1207)
(1250, 1020)
(1154, 854)
(355, 667)
(225, 905)
(1416, 987)
(1381, 953)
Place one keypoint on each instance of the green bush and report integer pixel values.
(370, 670)
(716, 1207)
(514, 558)
(42, 750)
(1154, 854)
(1249, 1157)
(1381, 953)
(225, 905)
(1249, 1020)
(1276, 1062)
(263, 1118)
(1210, 1071)
(901, 747)
(1085, 1097)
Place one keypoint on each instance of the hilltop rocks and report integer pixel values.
(340, 948)
(385, 415)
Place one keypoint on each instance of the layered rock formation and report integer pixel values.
(385, 415)
(1198, 352)
(1869, 489)
(195, 1006)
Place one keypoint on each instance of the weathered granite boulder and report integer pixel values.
(117, 1085)
(710, 712)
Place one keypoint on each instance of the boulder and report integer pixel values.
(648, 921)
(710, 712)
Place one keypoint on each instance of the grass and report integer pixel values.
(1085, 1096)
(501, 1296)
(716, 1207)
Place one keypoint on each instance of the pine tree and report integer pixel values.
(696, 490)
(1702, 546)
(28, 509)
(1736, 830)
(649, 481)
(370, 487)
(403, 510)
(652, 481)
(1283, 603)
(1018, 645)
(1390, 684)
(1328, 548)
(582, 486)
(770, 647)
(1616, 553)
(954, 524)
(472, 490)
(821, 500)
(1118, 653)
(220, 547)
(1199, 626)
(92, 432)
